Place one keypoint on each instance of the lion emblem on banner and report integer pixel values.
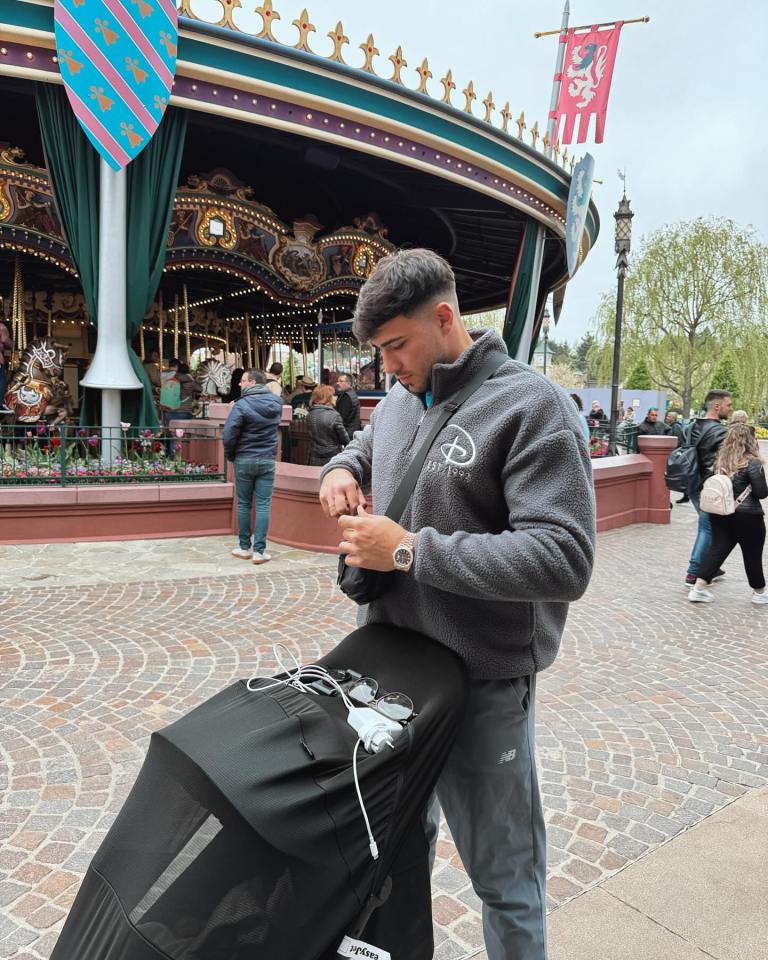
(586, 71)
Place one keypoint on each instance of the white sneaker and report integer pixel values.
(700, 595)
(262, 557)
(760, 597)
(242, 554)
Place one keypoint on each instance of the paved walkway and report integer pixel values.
(653, 719)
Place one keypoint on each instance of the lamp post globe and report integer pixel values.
(622, 243)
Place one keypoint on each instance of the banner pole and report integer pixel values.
(526, 339)
(590, 26)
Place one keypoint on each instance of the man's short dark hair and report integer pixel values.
(256, 376)
(714, 395)
(399, 285)
(276, 369)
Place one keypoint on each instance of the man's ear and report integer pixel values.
(446, 316)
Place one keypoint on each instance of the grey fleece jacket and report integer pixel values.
(504, 512)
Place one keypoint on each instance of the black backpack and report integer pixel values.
(682, 474)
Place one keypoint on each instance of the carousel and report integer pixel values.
(296, 159)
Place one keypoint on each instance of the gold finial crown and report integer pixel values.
(339, 39)
(398, 62)
(534, 131)
(268, 17)
(448, 87)
(303, 25)
(506, 116)
(490, 106)
(469, 96)
(424, 74)
(370, 51)
(522, 126)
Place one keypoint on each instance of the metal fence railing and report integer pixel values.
(38, 453)
(600, 435)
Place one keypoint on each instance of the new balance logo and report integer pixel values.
(507, 756)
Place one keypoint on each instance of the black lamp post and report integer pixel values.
(545, 330)
(623, 237)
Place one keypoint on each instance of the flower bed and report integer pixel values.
(58, 454)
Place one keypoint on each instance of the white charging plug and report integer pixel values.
(374, 729)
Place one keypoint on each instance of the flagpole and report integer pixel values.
(524, 346)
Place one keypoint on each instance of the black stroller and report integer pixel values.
(243, 837)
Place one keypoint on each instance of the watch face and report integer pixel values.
(403, 557)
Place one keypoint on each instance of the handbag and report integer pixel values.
(364, 586)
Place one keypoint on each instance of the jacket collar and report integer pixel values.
(447, 378)
(256, 389)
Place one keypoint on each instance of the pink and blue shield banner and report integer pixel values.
(117, 59)
(578, 208)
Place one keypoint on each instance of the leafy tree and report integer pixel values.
(640, 378)
(582, 357)
(560, 352)
(724, 377)
(564, 374)
(693, 290)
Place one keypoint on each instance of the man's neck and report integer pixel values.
(712, 416)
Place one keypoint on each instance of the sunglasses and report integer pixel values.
(394, 706)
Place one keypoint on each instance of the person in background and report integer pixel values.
(275, 379)
(326, 428)
(738, 458)
(706, 434)
(348, 404)
(6, 348)
(676, 428)
(250, 442)
(652, 426)
(596, 411)
(234, 387)
(580, 407)
(189, 391)
(152, 368)
(302, 395)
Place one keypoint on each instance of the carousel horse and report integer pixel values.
(36, 390)
(215, 378)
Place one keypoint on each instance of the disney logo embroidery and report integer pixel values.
(459, 450)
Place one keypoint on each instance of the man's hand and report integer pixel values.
(370, 541)
(340, 493)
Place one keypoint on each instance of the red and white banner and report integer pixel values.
(586, 81)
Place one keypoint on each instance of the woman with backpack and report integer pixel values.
(738, 460)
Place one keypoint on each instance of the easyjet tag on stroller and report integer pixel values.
(245, 837)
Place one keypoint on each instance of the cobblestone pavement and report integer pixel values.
(653, 717)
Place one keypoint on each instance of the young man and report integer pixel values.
(347, 404)
(497, 538)
(706, 434)
(250, 440)
(652, 426)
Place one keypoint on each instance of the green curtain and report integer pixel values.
(152, 180)
(73, 166)
(514, 322)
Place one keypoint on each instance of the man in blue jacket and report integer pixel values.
(250, 441)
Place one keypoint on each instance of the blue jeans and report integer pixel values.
(703, 542)
(254, 477)
(489, 793)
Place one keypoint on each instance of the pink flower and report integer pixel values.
(124, 426)
(179, 432)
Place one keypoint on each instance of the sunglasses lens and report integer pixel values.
(396, 706)
(365, 690)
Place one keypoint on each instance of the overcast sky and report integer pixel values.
(684, 118)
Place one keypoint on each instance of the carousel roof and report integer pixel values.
(316, 135)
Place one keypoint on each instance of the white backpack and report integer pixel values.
(717, 496)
